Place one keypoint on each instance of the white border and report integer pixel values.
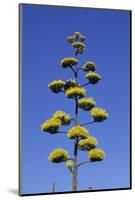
(9, 97)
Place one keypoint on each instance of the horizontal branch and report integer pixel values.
(83, 163)
(61, 132)
(70, 159)
(87, 123)
(85, 84)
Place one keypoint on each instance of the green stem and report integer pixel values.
(61, 132)
(85, 84)
(87, 123)
(74, 183)
(82, 163)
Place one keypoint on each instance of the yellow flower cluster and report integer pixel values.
(68, 62)
(89, 66)
(76, 41)
(75, 92)
(93, 77)
(58, 119)
(87, 144)
(78, 45)
(51, 125)
(99, 114)
(86, 103)
(80, 50)
(82, 38)
(56, 85)
(96, 155)
(78, 132)
(71, 39)
(58, 155)
(64, 117)
(70, 83)
(77, 36)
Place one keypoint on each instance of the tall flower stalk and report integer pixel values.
(83, 140)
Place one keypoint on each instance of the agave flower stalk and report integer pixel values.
(83, 140)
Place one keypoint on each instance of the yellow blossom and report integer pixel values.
(51, 125)
(96, 155)
(77, 35)
(68, 62)
(86, 103)
(87, 144)
(78, 45)
(58, 155)
(99, 114)
(81, 50)
(56, 85)
(82, 38)
(78, 132)
(75, 92)
(93, 77)
(71, 39)
(64, 117)
(69, 83)
(89, 66)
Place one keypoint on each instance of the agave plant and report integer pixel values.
(83, 141)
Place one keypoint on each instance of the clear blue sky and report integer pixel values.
(43, 46)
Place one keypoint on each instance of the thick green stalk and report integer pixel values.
(74, 183)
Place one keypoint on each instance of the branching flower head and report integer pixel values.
(52, 125)
(68, 62)
(99, 114)
(76, 37)
(56, 86)
(77, 42)
(78, 132)
(58, 155)
(93, 77)
(83, 140)
(89, 66)
(69, 83)
(87, 144)
(86, 103)
(64, 117)
(96, 155)
(76, 92)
